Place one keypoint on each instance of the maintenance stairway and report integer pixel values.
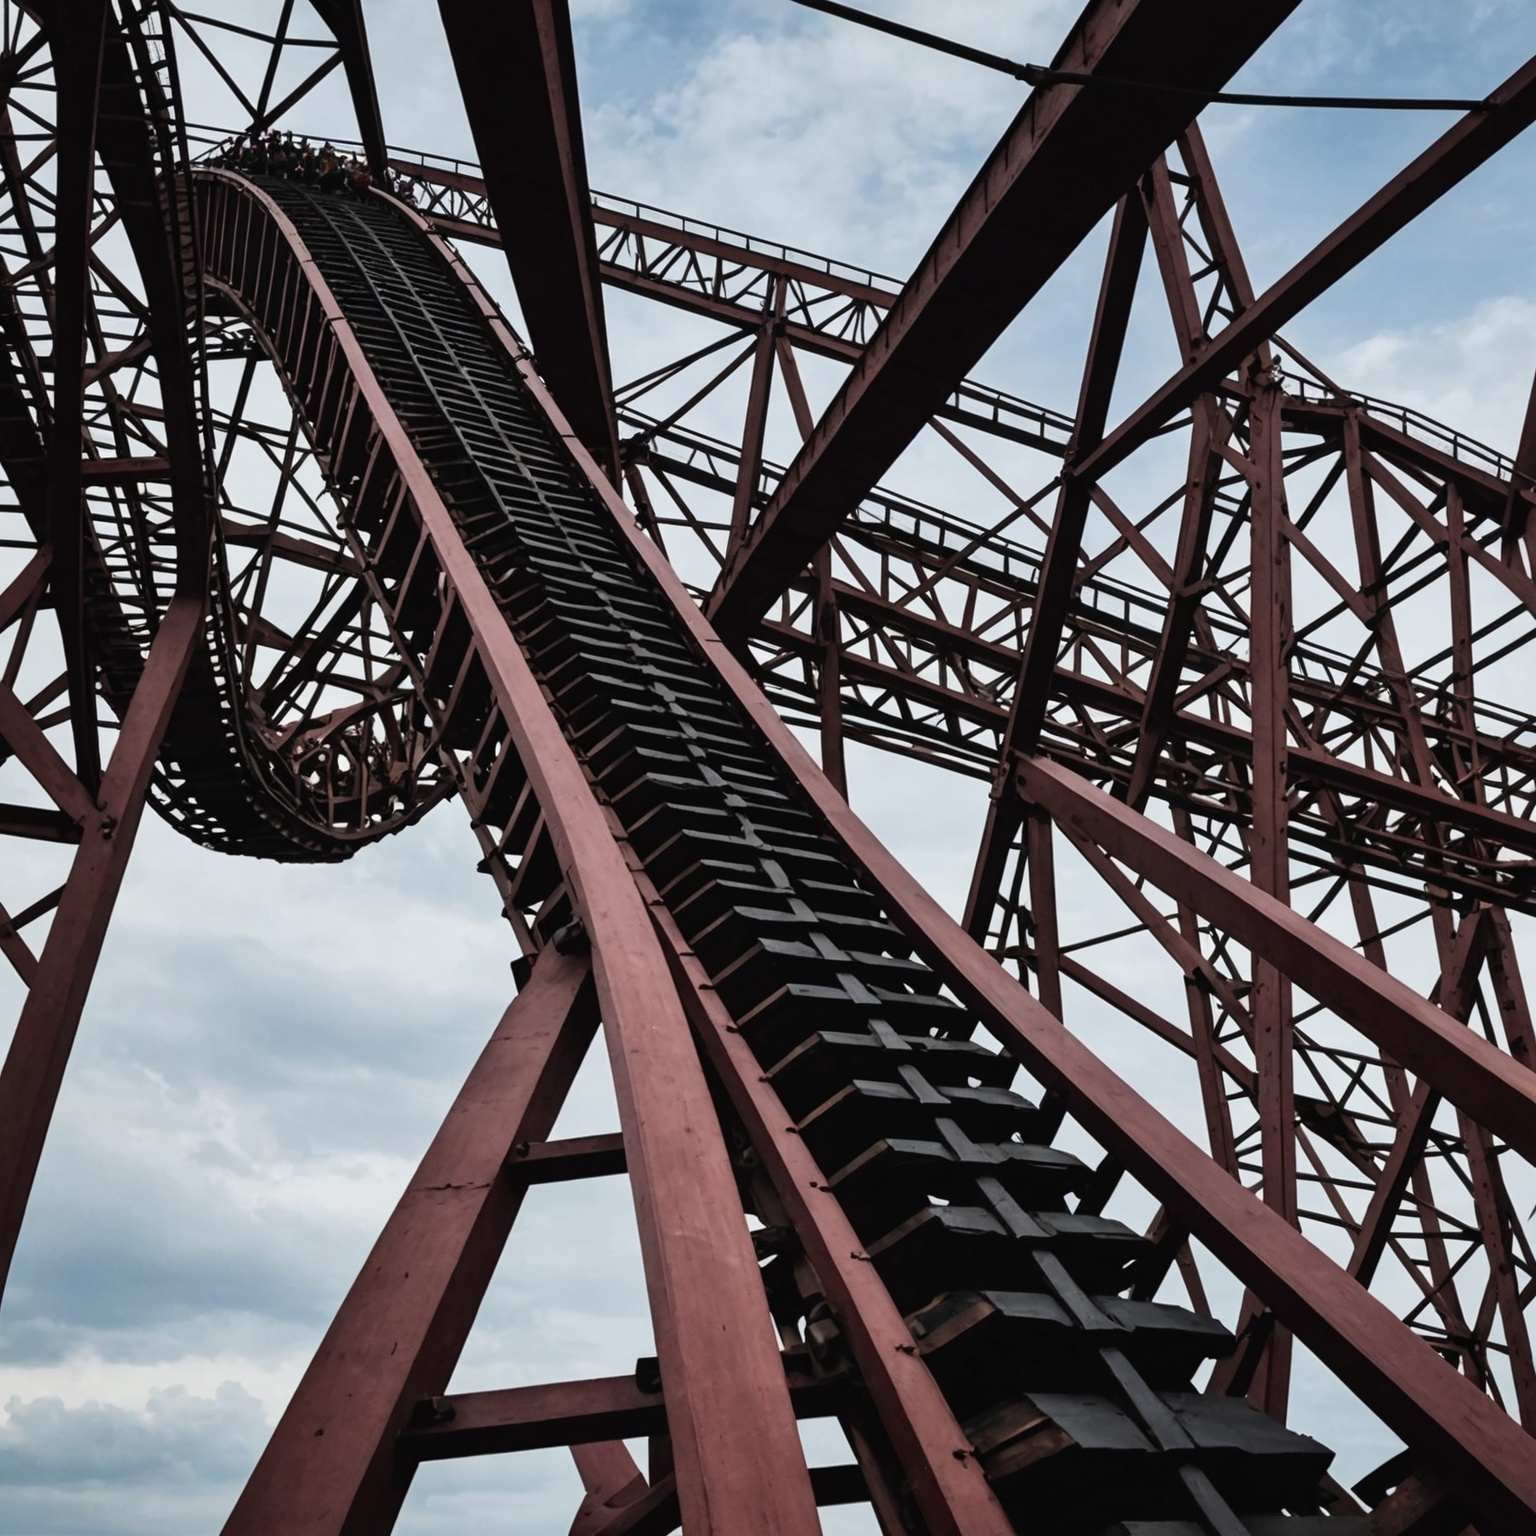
(1030, 1308)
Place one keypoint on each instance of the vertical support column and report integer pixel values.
(1046, 944)
(77, 54)
(828, 634)
(826, 625)
(759, 392)
(105, 808)
(1270, 628)
(1058, 572)
(1212, 422)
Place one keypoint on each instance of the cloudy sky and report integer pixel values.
(267, 1050)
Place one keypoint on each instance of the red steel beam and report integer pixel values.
(1310, 765)
(78, 69)
(611, 1480)
(1497, 1091)
(345, 19)
(1448, 161)
(575, 1157)
(518, 77)
(1058, 566)
(652, 1510)
(1516, 514)
(1269, 848)
(572, 1413)
(1070, 153)
(1322, 417)
(330, 1464)
(50, 1016)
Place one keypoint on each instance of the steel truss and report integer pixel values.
(1253, 747)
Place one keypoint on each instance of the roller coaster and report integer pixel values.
(884, 1168)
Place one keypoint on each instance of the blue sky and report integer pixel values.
(267, 1049)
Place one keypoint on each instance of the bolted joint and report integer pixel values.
(432, 1410)
(648, 1374)
(572, 938)
(824, 1337)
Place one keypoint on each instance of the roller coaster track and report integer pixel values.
(954, 1257)
(925, 675)
(486, 618)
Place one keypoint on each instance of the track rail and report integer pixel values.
(930, 1233)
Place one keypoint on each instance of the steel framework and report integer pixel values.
(290, 499)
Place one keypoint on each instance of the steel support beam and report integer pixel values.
(1058, 571)
(573, 1413)
(1448, 161)
(1497, 1091)
(1070, 153)
(345, 19)
(518, 76)
(1398, 1376)
(330, 1465)
(96, 77)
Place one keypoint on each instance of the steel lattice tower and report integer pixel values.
(841, 1110)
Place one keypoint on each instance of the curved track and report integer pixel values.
(1027, 1313)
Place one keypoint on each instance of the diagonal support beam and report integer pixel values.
(331, 1465)
(1493, 1089)
(518, 75)
(1070, 153)
(1447, 162)
(612, 1482)
(93, 61)
(1058, 570)
(79, 89)
(345, 19)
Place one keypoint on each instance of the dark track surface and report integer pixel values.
(1025, 1303)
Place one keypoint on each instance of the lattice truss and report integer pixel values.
(1241, 672)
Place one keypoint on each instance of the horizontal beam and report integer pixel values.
(572, 1413)
(698, 237)
(575, 1157)
(39, 823)
(128, 471)
(655, 1512)
(972, 404)
(1309, 765)
(1070, 153)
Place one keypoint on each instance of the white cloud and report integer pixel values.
(1472, 370)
